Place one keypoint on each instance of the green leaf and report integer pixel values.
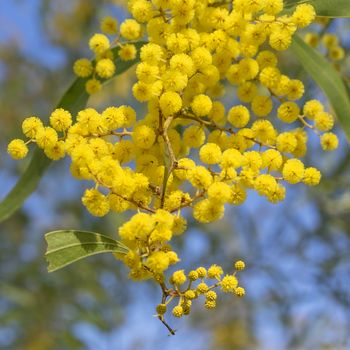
(26, 184)
(327, 78)
(67, 246)
(324, 8)
(74, 100)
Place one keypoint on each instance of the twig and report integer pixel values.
(211, 125)
(121, 134)
(171, 331)
(173, 162)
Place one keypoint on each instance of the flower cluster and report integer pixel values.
(188, 151)
(198, 283)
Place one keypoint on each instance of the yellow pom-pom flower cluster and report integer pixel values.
(188, 154)
(101, 44)
(196, 284)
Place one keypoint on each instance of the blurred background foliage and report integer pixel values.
(297, 253)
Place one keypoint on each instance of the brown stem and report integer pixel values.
(171, 331)
(199, 195)
(138, 204)
(211, 125)
(163, 129)
(121, 134)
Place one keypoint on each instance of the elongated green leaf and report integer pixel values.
(327, 78)
(26, 184)
(73, 100)
(324, 8)
(67, 246)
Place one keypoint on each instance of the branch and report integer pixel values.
(173, 162)
(211, 125)
(172, 331)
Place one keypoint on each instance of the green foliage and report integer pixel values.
(327, 78)
(67, 246)
(27, 183)
(324, 8)
(74, 100)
